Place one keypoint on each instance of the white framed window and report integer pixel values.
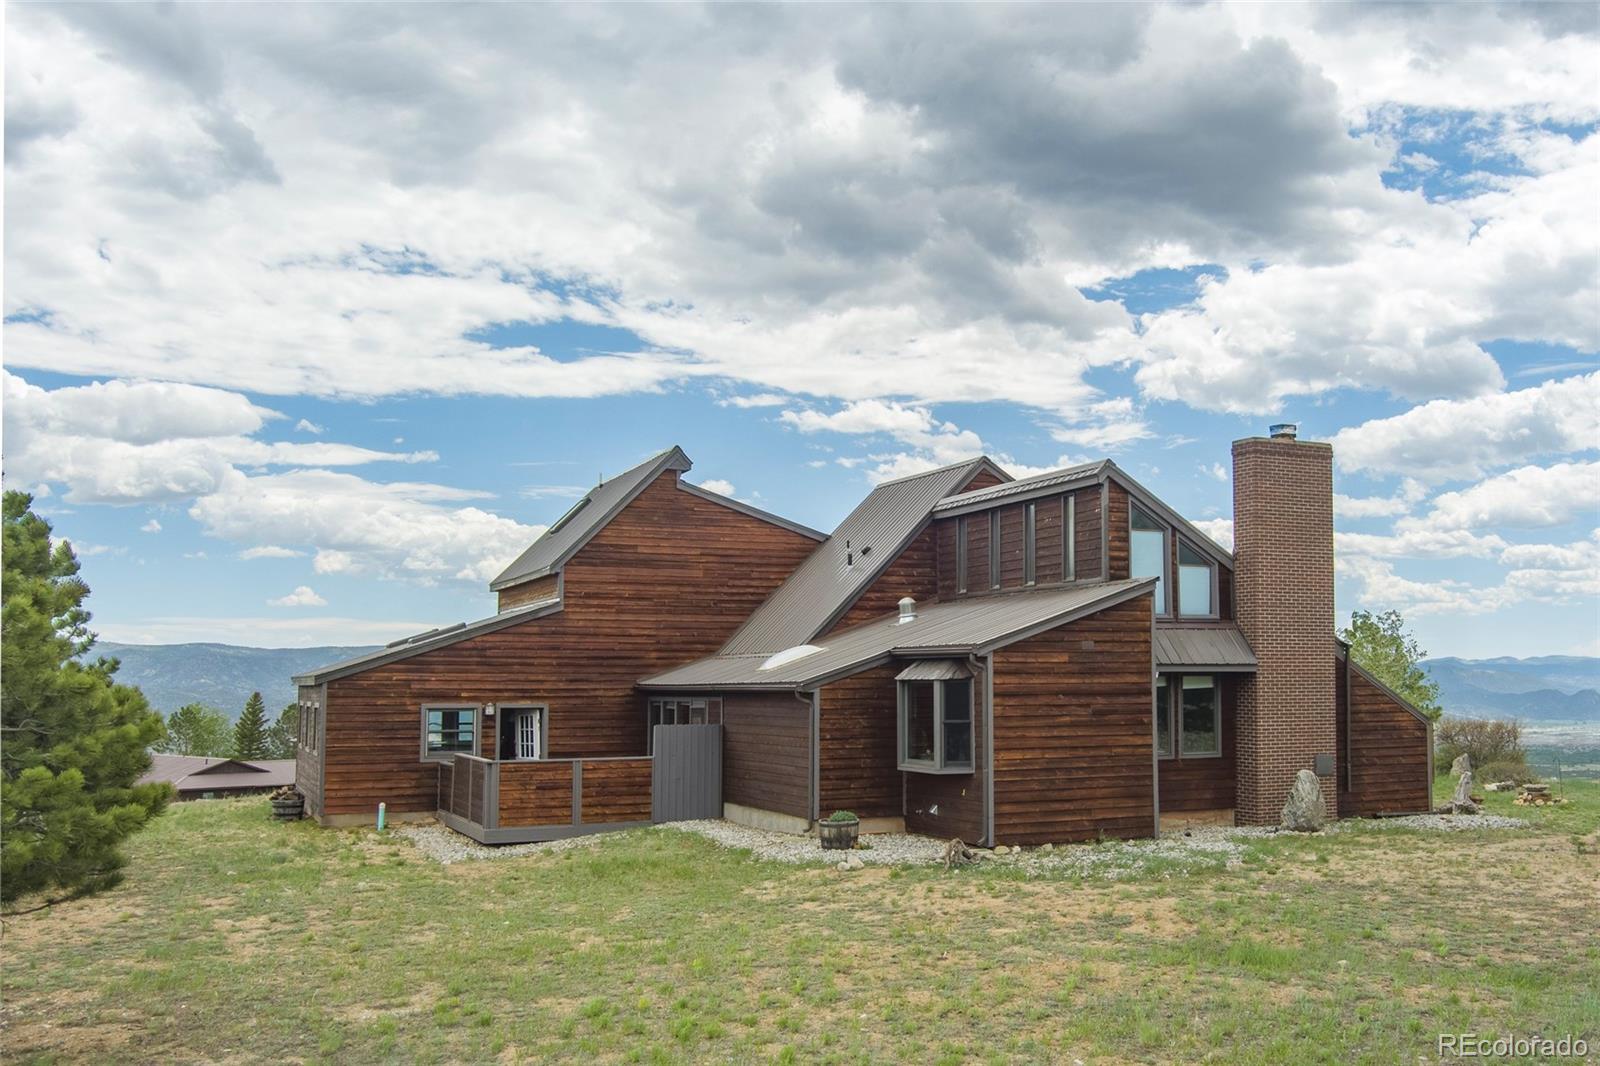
(1147, 551)
(935, 726)
(1197, 578)
(449, 730)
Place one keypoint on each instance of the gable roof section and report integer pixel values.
(970, 626)
(754, 512)
(429, 641)
(586, 518)
(1027, 488)
(1151, 502)
(1342, 650)
(823, 587)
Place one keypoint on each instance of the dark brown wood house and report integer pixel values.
(1050, 659)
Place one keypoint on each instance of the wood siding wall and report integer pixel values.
(1204, 783)
(1073, 730)
(308, 762)
(859, 770)
(537, 793)
(668, 580)
(766, 752)
(914, 572)
(540, 588)
(1389, 766)
(1117, 547)
(951, 805)
(1048, 558)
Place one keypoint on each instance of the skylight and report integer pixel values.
(789, 655)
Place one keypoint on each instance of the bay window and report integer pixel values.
(936, 725)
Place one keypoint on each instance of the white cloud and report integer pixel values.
(719, 486)
(151, 526)
(1216, 470)
(263, 631)
(1402, 502)
(105, 442)
(1104, 426)
(302, 596)
(1527, 497)
(1218, 529)
(934, 443)
(270, 551)
(305, 425)
(408, 530)
(1448, 439)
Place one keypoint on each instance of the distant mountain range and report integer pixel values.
(1547, 688)
(222, 675)
(1550, 688)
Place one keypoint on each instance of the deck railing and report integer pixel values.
(543, 799)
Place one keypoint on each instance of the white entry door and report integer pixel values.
(528, 735)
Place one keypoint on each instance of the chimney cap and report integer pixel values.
(1284, 431)
(908, 609)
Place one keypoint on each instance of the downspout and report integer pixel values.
(1349, 725)
(988, 745)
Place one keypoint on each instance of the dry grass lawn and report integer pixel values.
(235, 939)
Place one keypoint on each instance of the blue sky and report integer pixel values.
(297, 355)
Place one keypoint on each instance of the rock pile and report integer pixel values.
(1537, 796)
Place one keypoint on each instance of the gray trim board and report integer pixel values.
(534, 834)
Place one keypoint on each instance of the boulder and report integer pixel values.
(1303, 811)
(1461, 802)
(1462, 765)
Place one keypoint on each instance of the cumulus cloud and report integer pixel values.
(151, 526)
(302, 596)
(1529, 496)
(719, 486)
(270, 551)
(1454, 439)
(933, 442)
(411, 530)
(824, 217)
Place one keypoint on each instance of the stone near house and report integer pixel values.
(1462, 765)
(1001, 849)
(1303, 811)
(852, 863)
(1047, 847)
(1461, 802)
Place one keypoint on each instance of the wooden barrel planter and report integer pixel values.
(838, 834)
(288, 805)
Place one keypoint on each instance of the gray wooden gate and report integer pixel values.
(686, 782)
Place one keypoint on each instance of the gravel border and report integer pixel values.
(445, 846)
(1191, 847)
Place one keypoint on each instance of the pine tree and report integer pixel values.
(283, 736)
(74, 741)
(1381, 646)
(250, 731)
(196, 729)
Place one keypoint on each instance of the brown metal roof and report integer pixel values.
(962, 627)
(1023, 488)
(1213, 647)
(196, 773)
(825, 585)
(587, 517)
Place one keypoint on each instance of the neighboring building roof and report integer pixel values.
(433, 638)
(970, 626)
(196, 773)
(1218, 648)
(1021, 489)
(587, 517)
(602, 503)
(824, 586)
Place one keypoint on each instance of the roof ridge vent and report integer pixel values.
(908, 610)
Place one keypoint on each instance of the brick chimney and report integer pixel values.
(1283, 582)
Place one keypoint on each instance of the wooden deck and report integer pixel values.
(551, 799)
